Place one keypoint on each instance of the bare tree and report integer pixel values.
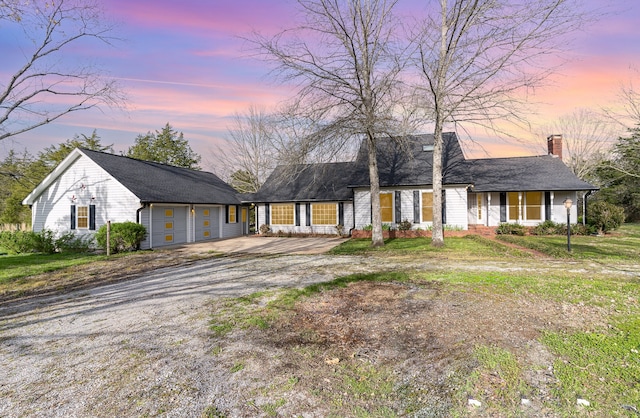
(248, 156)
(477, 58)
(43, 88)
(586, 137)
(344, 60)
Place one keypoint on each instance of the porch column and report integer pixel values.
(488, 221)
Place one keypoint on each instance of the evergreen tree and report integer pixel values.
(166, 146)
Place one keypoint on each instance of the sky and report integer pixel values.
(185, 63)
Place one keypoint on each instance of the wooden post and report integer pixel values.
(108, 238)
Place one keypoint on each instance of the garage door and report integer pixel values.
(169, 225)
(207, 222)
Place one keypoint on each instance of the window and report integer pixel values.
(479, 200)
(207, 233)
(324, 214)
(168, 225)
(168, 238)
(533, 202)
(232, 214)
(168, 213)
(244, 215)
(386, 207)
(205, 212)
(83, 217)
(427, 207)
(206, 223)
(514, 205)
(282, 214)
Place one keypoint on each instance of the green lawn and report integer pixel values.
(15, 267)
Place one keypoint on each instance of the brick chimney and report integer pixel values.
(554, 144)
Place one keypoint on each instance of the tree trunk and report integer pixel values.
(377, 240)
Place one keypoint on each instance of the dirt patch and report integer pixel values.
(416, 338)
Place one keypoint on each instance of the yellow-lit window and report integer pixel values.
(168, 213)
(427, 207)
(386, 207)
(232, 214)
(168, 238)
(244, 215)
(205, 212)
(324, 214)
(207, 233)
(479, 200)
(514, 205)
(168, 225)
(282, 214)
(533, 201)
(206, 223)
(83, 217)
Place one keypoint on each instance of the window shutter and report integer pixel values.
(503, 207)
(547, 206)
(226, 214)
(297, 214)
(307, 212)
(444, 207)
(237, 213)
(341, 213)
(267, 214)
(416, 206)
(73, 216)
(92, 217)
(398, 205)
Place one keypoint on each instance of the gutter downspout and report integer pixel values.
(353, 209)
(584, 206)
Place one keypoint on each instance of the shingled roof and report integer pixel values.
(539, 173)
(308, 182)
(409, 162)
(153, 182)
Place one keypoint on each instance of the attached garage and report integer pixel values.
(168, 224)
(207, 222)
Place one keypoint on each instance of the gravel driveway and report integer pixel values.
(137, 347)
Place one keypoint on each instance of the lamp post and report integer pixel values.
(567, 204)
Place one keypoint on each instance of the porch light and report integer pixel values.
(567, 204)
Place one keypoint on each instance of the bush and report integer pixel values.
(604, 216)
(510, 229)
(265, 229)
(17, 242)
(125, 236)
(405, 225)
(549, 227)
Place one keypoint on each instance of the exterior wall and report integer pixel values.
(303, 228)
(558, 211)
(456, 207)
(84, 183)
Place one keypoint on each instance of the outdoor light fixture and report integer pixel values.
(567, 204)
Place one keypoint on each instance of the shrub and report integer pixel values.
(387, 227)
(125, 236)
(69, 242)
(604, 216)
(367, 227)
(548, 227)
(510, 229)
(265, 229)
(17, 242)
(404, 225)
(340, 229)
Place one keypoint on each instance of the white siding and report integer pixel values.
(456, 207)
(84, 183)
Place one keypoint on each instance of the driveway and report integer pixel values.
(140, 347)
(268, 245)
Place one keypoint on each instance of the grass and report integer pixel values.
(622, 245)
(15, 267)
(599, 364)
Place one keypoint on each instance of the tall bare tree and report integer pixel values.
(477, 58)
(46, 85)
(344, 60)
(586, 138)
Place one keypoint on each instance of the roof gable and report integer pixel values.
(153, 182)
